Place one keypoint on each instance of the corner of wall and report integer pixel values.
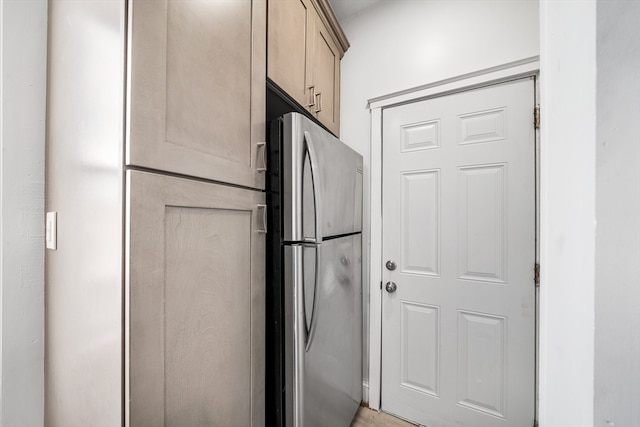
(567, 212)
(617, 270)
(22, 136)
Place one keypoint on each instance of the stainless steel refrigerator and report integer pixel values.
(314, 313)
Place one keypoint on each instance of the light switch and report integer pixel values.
(51, 230)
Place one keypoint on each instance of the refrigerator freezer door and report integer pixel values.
(321, 183)
(325, 375)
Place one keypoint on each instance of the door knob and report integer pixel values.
(391, 287)
(391, 265)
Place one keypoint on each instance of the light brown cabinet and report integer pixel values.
(305, 45)
(154, 301)
(197, 88)
(289, 24)
(196, 303)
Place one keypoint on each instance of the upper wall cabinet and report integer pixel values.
(196, 73)
(305, 45)
(289, 23)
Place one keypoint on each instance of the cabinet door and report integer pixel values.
(291, 23)
(196, 93)
(195, 307)
(326, 77)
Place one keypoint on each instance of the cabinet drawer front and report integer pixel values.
(195, 303)
(196, 88)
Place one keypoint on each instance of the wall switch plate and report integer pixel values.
(51, 231)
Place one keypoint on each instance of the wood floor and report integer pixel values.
(369, 418)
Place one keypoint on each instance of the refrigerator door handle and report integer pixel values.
(313, 160)
(298, 330)
(264, 219)
(309, 328)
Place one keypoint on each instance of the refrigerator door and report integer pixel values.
(321, 183)
(323, 292)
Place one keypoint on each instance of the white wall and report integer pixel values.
(22, 129)
(395, 47)
(617, 292)
(568, 110)
(400, 44)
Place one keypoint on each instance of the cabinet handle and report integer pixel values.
(262, 146)
(319, 103)
(264, 218)
(312, 92)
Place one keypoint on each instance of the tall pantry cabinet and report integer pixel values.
(155, 267)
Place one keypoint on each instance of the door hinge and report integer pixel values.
(536, 117)
(536, 274)
(535, 423)
(381, 285)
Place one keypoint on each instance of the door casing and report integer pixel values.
(490, 76)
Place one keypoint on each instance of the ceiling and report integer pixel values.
(346, 8)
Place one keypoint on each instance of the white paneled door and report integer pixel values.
(458, 322)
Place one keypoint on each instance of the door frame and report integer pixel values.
(528, 67)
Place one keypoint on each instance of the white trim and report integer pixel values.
(375, 272)
(538, 158)
(505, 72)
(510, 70)
(2, 142)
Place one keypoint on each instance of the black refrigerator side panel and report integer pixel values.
(275, 381)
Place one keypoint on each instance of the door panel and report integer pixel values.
(420, 347)
(189, 112)
(326, 72)
(459, 221)
(420, 225)
(481, 223)
(482, 362)
(290, 24)
(195, 296)
(207, 329)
